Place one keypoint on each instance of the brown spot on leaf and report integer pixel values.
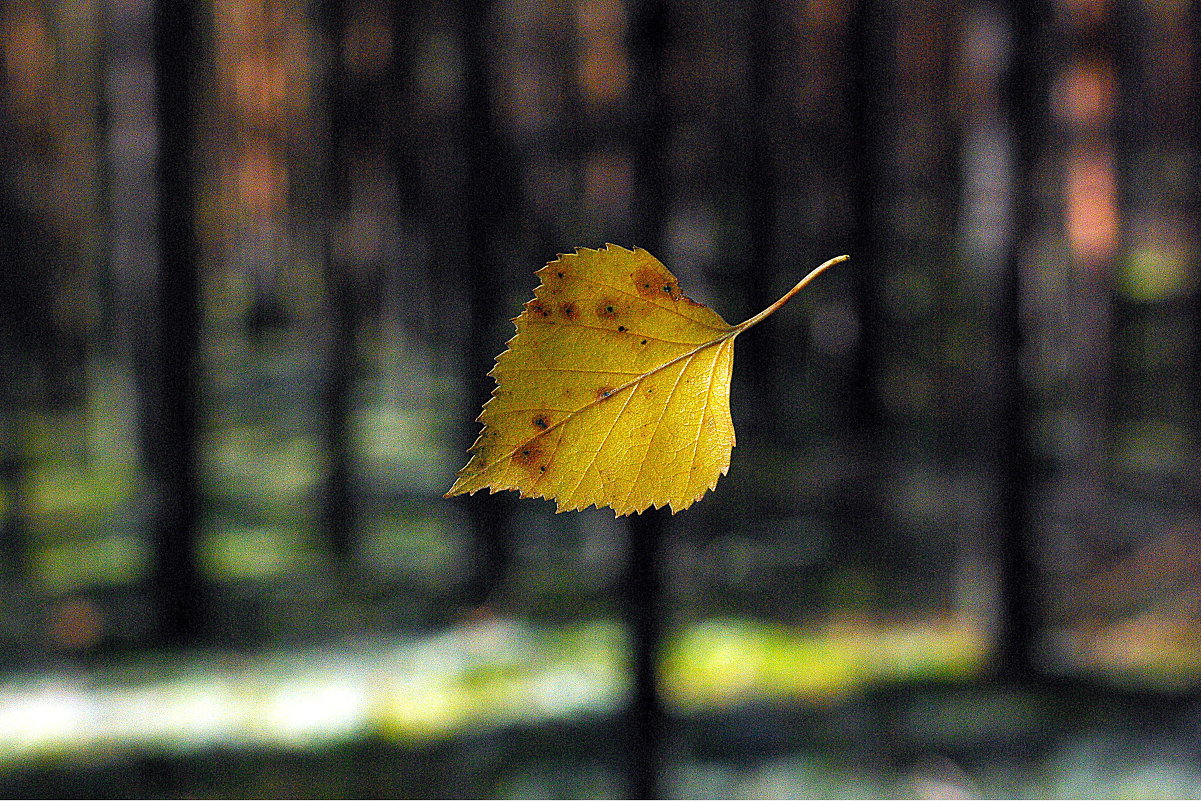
(606, 310)
(539, 308)
(604, 392)
(648, 281)
(569, 310)
(528, 454)
(541, 421)
(621, 328)
(644, 342)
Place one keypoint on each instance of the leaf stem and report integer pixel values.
(758, 318)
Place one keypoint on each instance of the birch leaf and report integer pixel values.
(615, 390)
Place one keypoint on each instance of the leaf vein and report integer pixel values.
(498, 369)
(704, 413)
(631, 383)
(629, 332)
(658, 423)
(601, 447)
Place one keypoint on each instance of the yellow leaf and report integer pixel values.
(615, 390)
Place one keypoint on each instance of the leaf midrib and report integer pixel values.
(730, 334)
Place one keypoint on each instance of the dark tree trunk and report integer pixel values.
(646, 721)
(1194, 201)
(758, 356)
(491, 196)
(1124, 38)
(404, 154)
(870, 66)
(338, 511)
(13, 470)
(1020, 600)
(173, 379)
(16, 237)
(338, 503)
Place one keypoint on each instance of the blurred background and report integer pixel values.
(258, 256)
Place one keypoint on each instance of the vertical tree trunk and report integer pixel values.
(1019, 601)
(16, 259)
(1195, 201)
(177, 586)
(759, 357)
(337, 502)
(490, 197)
(404, 155)
(1124, 42)
(646, 721)
(13, 469)
(870, 64)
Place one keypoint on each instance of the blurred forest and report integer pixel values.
(257, 257)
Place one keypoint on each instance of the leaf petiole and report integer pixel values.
(758, 318)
